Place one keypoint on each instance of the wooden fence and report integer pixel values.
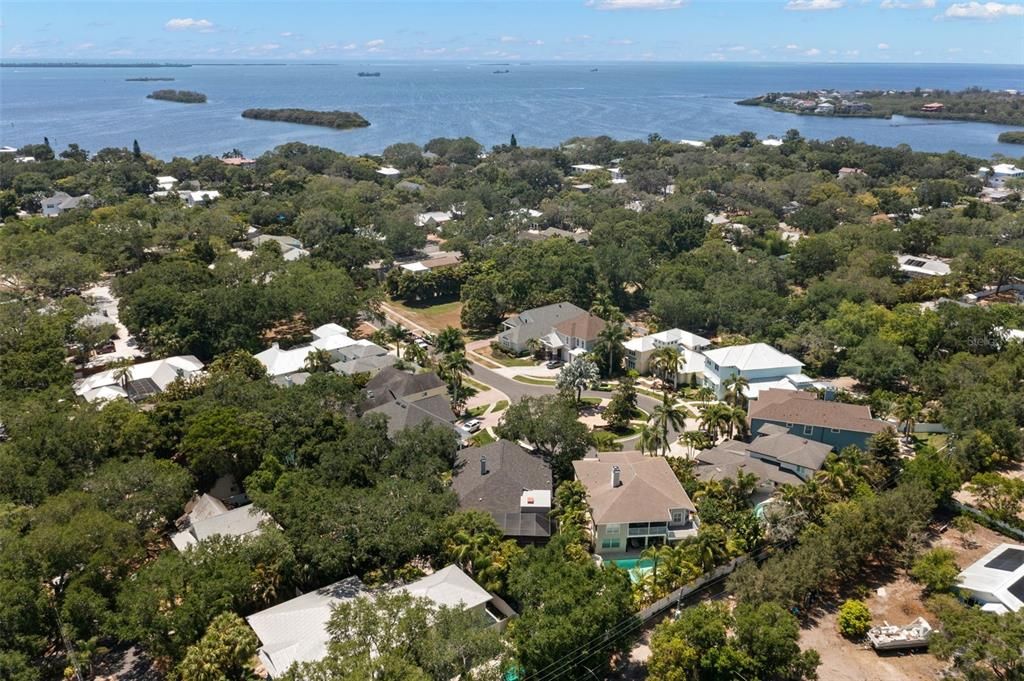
(663, 604)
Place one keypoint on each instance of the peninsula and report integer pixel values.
(973, 104)
(1012, 137)
(183, 96)
(339, 120)
(147, 79)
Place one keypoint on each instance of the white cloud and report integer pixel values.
(813, 5)
(717, 56)
(509, 39)
(792, 46)
(903, 4)
(120, 53)
(288, 34)
(622, 41)
(190, 24)
(813, 52)
(84, 46)
(433, 50)
(918, 53)
(635, 4)
(350, 46)
(883, 46)
(852, 53)
(983, 10)
(307, 52)
(374, 43)
(536, 43)
(736, 48)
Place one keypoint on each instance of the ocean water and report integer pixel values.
(542, 104)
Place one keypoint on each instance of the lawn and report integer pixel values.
(500, 405)
(533, 381)
(482, 438)
(505, 360)
(434, 317)
(478, 411)
(591, 400)
(476, 385)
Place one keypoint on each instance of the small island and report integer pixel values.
(146, 79)
(1012, 137)
(183, 96)
(339, 120)
(973, 104)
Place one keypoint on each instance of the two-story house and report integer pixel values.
(640, 350)
(762, 365)
(573, 337)
(803, 414)
(531, 324)
(635, 501)
(62, 201)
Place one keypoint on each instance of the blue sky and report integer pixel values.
(523, 30)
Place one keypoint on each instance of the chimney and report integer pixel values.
(616, 476)
(483, 465)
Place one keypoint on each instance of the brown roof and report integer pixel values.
(585, 327)
(649, 490)
(804, 408)
(729, 458)
(447, 260)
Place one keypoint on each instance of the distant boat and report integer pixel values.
(369, 74)
(502, 71)
(592, 70)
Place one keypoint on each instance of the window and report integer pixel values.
(609, 543)
(611, 530)
(808, 430)
(677, 516)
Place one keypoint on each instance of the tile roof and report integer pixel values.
(586, 327)
(648, 490)
(806, 409)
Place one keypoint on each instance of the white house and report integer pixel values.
(762, 365)
(209, 517)
(434, 217)
(916, 267)
(640, 350)
(1001, 172)
(288, 367)
(166, 182)
(291, 248)
(140, 380)
(996, 580)
(296, 631)
(581, 168)
(60, 202)
(388, 171)
(195, 198)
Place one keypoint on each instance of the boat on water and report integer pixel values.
(369, 74)
(502, 71)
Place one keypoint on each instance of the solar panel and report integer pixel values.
(914, 262)
(1007, 561)
(1017, 589)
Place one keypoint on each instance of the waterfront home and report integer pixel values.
(511, 484)
(776, 457)
(531, 324)
(805, 415)
(295, 631)
(933, 107)
(640, 350)
(635, 501)
(918, 266)
(996, 580)
(138, 381)
(60, 202)
(762, 365)
(1002, 172)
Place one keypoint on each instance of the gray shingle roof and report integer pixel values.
(392, 383)
(788, 406)
(538, 321)
(402, 414)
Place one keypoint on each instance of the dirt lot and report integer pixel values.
(898, 601)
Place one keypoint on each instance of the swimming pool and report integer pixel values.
(636, 567)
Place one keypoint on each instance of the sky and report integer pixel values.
(897, 31)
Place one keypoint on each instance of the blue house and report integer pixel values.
(802, 413)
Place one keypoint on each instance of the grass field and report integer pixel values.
(433, 317)
(482, 438)
(533, 381)
(500, 405)
(478, 411)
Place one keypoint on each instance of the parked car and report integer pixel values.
(554, 364)
(472, 425)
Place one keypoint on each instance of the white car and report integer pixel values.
(472, 425)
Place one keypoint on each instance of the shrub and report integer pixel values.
(936, 569)
(854, 618)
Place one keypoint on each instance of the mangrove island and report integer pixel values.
(340, 120)
(1012, 137)
(183, 96)
(973, 104)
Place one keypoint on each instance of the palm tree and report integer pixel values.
(610, 343)
(576, 376)
(735, 421)
(448, 340)
(534, 346)
(710, 547)
(319, 361)
(714, 418)
(705, 394)
(666, 359)
(398, 334)
(734, 386)
(907, 411)
(415, 353)
(649, 439)
(668, 414)
(453, 367)
(123, 371)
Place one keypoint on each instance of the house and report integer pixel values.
(530, 325)
(996, 580)
(511, 484)
(849, 172)
(772, 142)
(24, 159)
(209, 517)
(166, 182)
(1001, 172)
(60, 202)
(8, 150)
(365, 364)
(139, 380)
(287, 367)
(573, 337)
(198, 198)
(582, 168)
(296, 631)
(237, 161)
(438, 261)
(837, 424)
(433, 218)
(933, 107)
(640, 350)
(692, 143)
(635, 501)
(776, 457)
(388, 171)
(392, 384)
(291, 248)
(580, 237)
(762, 365)
(825, 108)
(402, 414)
(917, 267)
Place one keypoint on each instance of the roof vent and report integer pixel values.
(616, 476)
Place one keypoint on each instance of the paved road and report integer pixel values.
(517, 390)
